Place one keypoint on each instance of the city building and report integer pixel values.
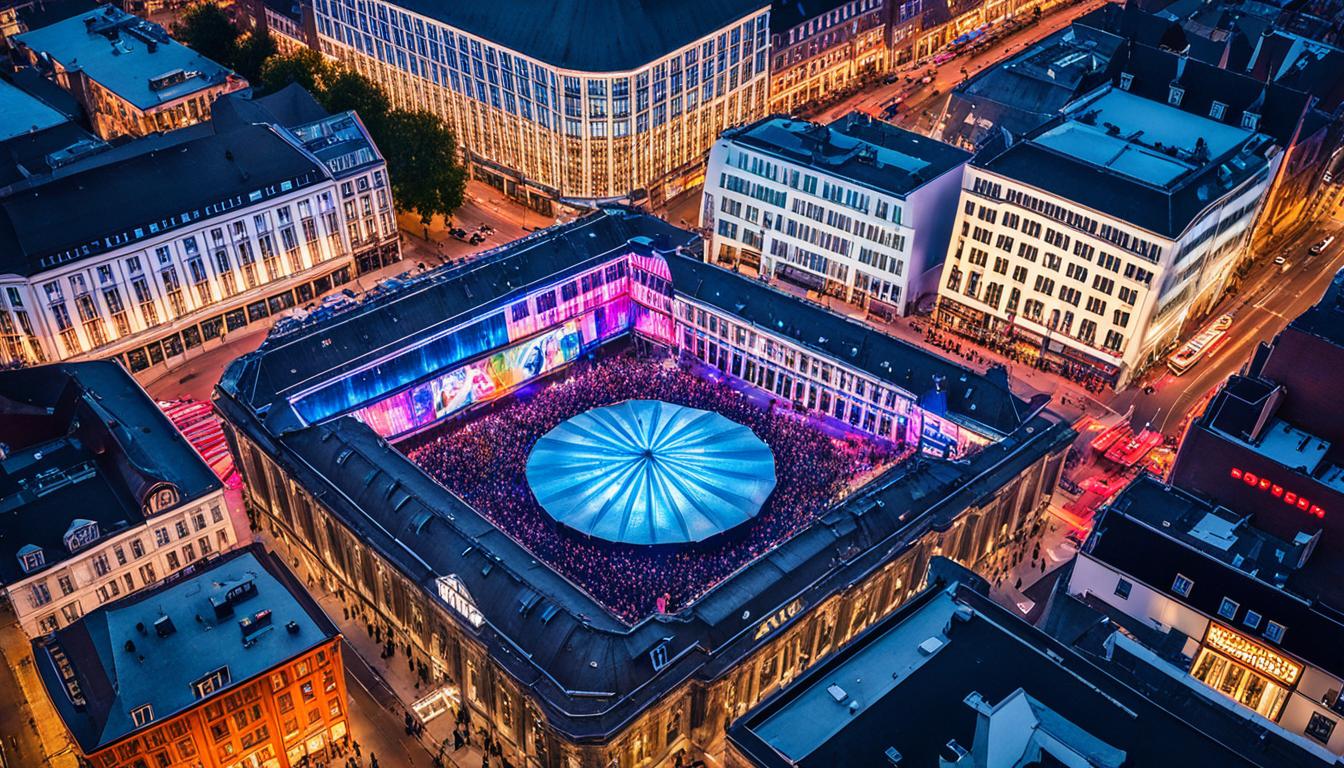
(822, 48)
(1268, 443)
(328, 418)
(858, 210)
(1125, 45)
(953, 679)
(230, 665)
(572, 100)
(218, 228)
(1091, 244)
(129, 76)
(1231, 612)
(101, 495)
(290, 23)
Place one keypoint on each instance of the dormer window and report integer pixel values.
(1126, 80)
(142, 715)
(1250, 121)
(31, 558)
(1174, 95)
(1217, 109)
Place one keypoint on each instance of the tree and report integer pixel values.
(251, 55)
(421, 154)
(207, 29)
(350, 90)
(305, 67)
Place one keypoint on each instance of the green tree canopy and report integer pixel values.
(252, 54)
(421, 154)
(207, 29)
(350, 90)
(305, 67)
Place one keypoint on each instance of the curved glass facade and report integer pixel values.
(555, 131)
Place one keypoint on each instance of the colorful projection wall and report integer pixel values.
(476, 382)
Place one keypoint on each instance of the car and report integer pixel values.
(1280, 260)
(1321, 246)
(892, 78)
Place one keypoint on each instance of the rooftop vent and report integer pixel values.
(837, 693)
(255, 623)
(930, 646)
(163, 626)
(292, 627)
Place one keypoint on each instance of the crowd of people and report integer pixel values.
(484, 462)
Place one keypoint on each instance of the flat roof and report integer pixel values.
(856, 147)
(21, 113)
(589, 35)
(915, 681)
(162, 670)
(125, 64)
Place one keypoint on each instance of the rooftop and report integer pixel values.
(242, 614)
(131, 57)
(24, 113)
(1137, 160)
(84, 445)
(856, 147)
(589, 35)
(155, 179)
(1152, 532)
(952, 666)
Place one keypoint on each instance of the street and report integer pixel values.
(1269, 298)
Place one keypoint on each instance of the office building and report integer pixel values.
(587, 101)
(1233, 613)
(1091, 245)
(217, 228)
(231, 665)
(344, 427)
(819, 49)
(952, 679)
(101, 496)
(859, 211)
(128, 75)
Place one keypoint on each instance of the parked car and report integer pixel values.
(1321, 246)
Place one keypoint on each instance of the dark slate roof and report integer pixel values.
(1281, 108)
(589, 35)
(162, 669)
(1145, 533)
(151, 180)
(95, 424)
(984, 400)
(856, 147)
(423, 307)
(787, 14)
(594, 672)
(290, 106)
(1027, 90)
(986, 650)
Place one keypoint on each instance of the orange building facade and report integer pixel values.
(270, 721)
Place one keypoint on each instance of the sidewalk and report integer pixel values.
(27, 701)
(391, 688)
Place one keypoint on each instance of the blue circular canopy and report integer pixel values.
(650, 472)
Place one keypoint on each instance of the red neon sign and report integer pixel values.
(1277, 491)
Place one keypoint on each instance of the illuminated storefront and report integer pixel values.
(1245, 671)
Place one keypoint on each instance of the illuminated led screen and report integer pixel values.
(473, 383)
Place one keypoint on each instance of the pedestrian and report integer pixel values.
(373, 760)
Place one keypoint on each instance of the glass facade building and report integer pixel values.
(572, 126)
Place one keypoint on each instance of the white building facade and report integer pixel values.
(858, 211)
(154, 292)
(1089, 254)
(118, 565)
(599, 117)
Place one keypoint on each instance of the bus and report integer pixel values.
(1199, 347)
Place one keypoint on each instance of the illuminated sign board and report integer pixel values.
(1264, 485)
(779, 618)
(453, 592)
(1252, 654)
